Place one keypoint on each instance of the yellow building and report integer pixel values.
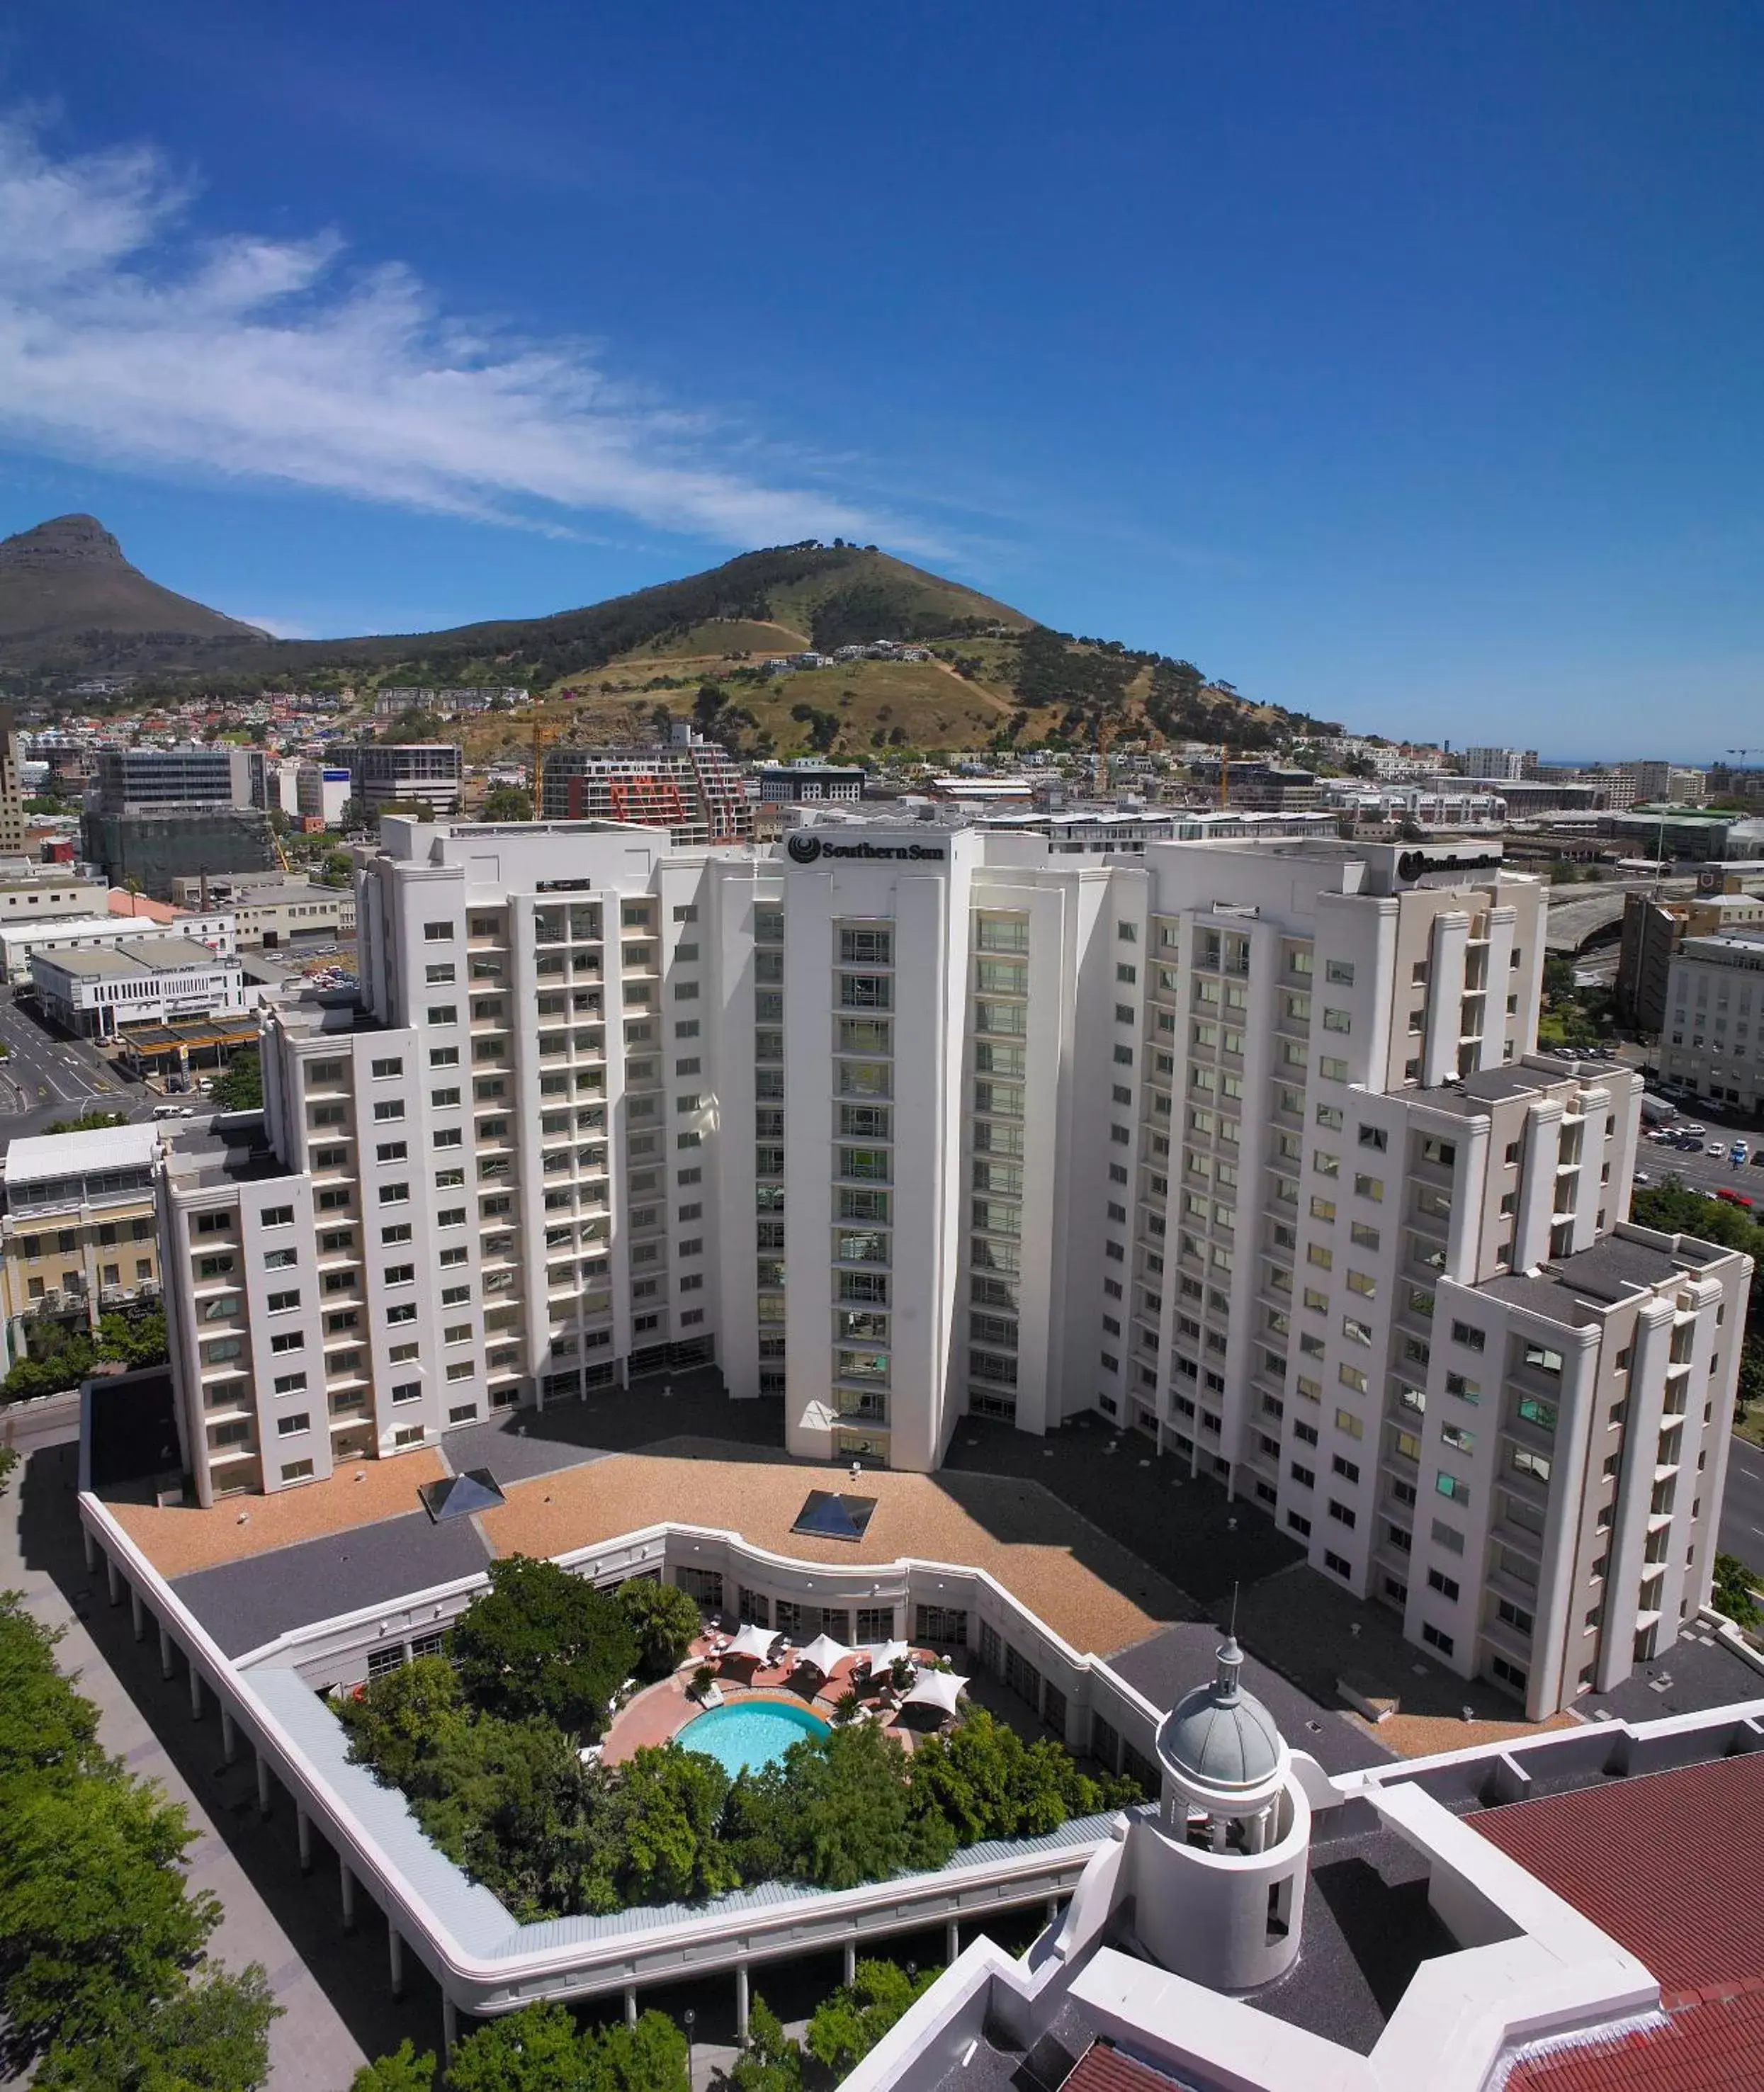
(78, 1236)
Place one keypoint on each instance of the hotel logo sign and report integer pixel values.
(806, 847)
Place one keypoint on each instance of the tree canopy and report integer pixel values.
(104, 1978)
(240, 1088)
(540, 1642)
(849, 2023)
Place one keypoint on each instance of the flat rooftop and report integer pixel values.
(1087, 1588)
(1573, 1290)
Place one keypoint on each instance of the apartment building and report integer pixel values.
(11, 798)
(1500, 765)
(1713, 1039)
(388, 773)
(78, 1235)
(692, 788)
(1241, 1145)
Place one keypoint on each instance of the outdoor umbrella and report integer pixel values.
(936, 1689)
(823, 1653)
(752, 1641)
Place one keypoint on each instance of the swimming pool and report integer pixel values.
(755, 1733)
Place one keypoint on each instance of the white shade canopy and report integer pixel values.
(882, 1654)
(936, 1688)
(823, 1653)
(752, 1641)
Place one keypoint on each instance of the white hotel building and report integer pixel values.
(1241, 1145)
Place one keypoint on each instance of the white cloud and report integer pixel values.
(123, 340)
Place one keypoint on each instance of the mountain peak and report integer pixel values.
(69, 598)
(62, 541)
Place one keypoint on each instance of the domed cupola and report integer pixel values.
(1219, 1745)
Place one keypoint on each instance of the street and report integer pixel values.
(1704, 1173)
(1742, 1505)
(46, 1078)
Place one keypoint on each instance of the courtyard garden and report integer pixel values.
(491, 1743)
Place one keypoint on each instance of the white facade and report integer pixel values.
(1713, 1039)
(140, 980)
(21, 941)
(1225, 1142)
(1507, 763)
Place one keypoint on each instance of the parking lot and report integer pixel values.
(1657, 1160)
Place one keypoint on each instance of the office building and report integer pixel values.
(21, 942)
(692, 788)
(97, 994)
(1713, 1039)
(157, 781)
(78, 1232)
(402, 773)
(1241, 1146)
(321, 793)
(273, 782)
(1669, 783)
(1653, 930)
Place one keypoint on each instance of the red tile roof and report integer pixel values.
(1103, 2069)
(1671, 1865)
(1713, 2047)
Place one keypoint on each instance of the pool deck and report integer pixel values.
(659, 1712)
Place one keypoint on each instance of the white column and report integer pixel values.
(303, 1826)
(450, 2026)
(1445, 996)
(196, 1694)
(89, 1542)
(851, 1962)
(165, 1652)
(630, 2004)
(741, 2001)
(953, 1942)
(137, 1614)
(346, 1883)
(395, 1959)
(112, 1578)
(229, 1737)
(263, 1785)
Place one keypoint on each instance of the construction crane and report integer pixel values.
(539, 739)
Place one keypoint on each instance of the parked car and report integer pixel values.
(1738, 1154)
(1641, 1177)
(1714, 1147)
(1757, 1158)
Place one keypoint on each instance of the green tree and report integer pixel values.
(403, 2071)
(986, 1781)
(664, 1618)
(660, 1828)
(847, 2025)
(88, 1122)
(241, 1087)
(507, 802)
(771, 2062)
(850, 1815)
(540, 1642)
(210, 2035)
(533, 2050)
(94, 1914)
(1733, 1586)
(648, 2057)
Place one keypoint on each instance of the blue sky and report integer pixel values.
(1399, 364)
